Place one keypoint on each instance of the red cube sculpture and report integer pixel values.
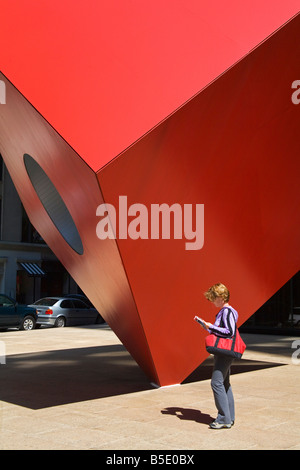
(187, 104)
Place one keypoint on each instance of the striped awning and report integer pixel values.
(32, 269)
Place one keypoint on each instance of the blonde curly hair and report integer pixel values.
(217, 290)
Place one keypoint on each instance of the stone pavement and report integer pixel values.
(78, 388)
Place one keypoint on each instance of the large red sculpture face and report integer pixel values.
(229, 155)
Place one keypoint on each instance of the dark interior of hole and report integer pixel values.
(53, 204)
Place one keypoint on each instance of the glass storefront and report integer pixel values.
(280, 314)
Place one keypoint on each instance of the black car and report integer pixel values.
(14, 315)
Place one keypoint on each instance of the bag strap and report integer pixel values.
(233, 337)
(222, 324)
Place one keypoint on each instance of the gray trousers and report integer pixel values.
(221, 387)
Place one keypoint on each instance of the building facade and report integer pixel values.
(28, 268)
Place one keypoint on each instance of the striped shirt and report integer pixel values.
(225, 323)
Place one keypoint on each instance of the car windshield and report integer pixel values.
(47, 302)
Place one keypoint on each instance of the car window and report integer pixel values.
(6, 302)
(79, 304)
(46, 302)
(66, 304)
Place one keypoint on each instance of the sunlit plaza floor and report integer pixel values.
(78, 388)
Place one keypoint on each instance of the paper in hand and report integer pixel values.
(202, 323)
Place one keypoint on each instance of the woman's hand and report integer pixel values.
(206, 325)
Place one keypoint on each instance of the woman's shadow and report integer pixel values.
(188, 414)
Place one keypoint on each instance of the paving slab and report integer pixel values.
(79, 389)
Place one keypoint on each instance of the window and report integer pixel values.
(46, 302)
(79, 304)
(6, 302)
(66, 304)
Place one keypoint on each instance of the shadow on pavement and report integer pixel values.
(52, 378)
(204, 371)
(45, 379)
(188, 414)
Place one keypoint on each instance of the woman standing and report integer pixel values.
(224, 326)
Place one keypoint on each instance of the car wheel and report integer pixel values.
(60, 322)
(28, 323)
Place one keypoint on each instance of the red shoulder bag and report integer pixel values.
(233, 347)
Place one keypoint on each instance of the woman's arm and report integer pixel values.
(227, 321)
